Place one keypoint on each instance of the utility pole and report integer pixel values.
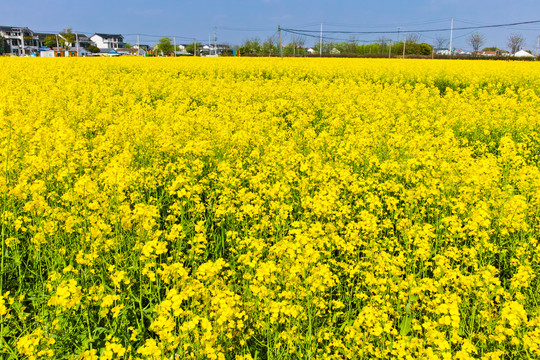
(22, 40)
(280, 46)
(77, 42)
(404, 44)
(451, 35)
(398, 30)
(390, 50)
(209, 45)
(138, 45)
(174, 38)
(537, 46)
(57, 44)
(194, 47)
(320, 43)
(215, 42)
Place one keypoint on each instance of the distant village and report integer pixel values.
(21, 41)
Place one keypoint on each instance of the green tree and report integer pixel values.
(425, 49)
(3, 46)
(191, 48)
(68, 38)
(251, 47)
(165, 46)
(289, 49)
(50, 41)
(270, 46)
(93, 49)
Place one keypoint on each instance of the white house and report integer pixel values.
(523, 53)
(207, 50)
(443, 52)
(108, 41)
(20, 40)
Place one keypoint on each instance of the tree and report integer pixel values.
(491, 48)
(413, 38)
(68, 37)
(515, 43)
(270, 45)
(476, 41)
(129, 46)
(301, 40)
(425, 49)
(251, 47)
(165, 45)
(3, 46)
(194, 45)
(93, 49)
(289, 49)
(350, 46)
(441, 42)
(50, 41)
(383, 43)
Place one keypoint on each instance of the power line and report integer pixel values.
(324, 37)
(429, 22)
(470, 22)
(418, 31)
(243, 29)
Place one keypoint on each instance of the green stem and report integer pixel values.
(4, 233)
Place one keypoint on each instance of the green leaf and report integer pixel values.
(405, 326)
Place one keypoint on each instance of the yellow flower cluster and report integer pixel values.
(236, 208)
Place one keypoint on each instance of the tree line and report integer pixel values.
(515, 42)
(297, 47)
(383, 46)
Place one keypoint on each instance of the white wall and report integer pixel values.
(98, 40)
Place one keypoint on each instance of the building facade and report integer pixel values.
(19, 40)
(108, 41)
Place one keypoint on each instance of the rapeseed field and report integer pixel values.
(235, 208)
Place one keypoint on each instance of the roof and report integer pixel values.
(14, 28)
(74, 48)
(523, 53)
(126, 50)
(109, 36)
(43, 36)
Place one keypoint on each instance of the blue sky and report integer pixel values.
(237, 20)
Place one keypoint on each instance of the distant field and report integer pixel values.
(235, 208)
